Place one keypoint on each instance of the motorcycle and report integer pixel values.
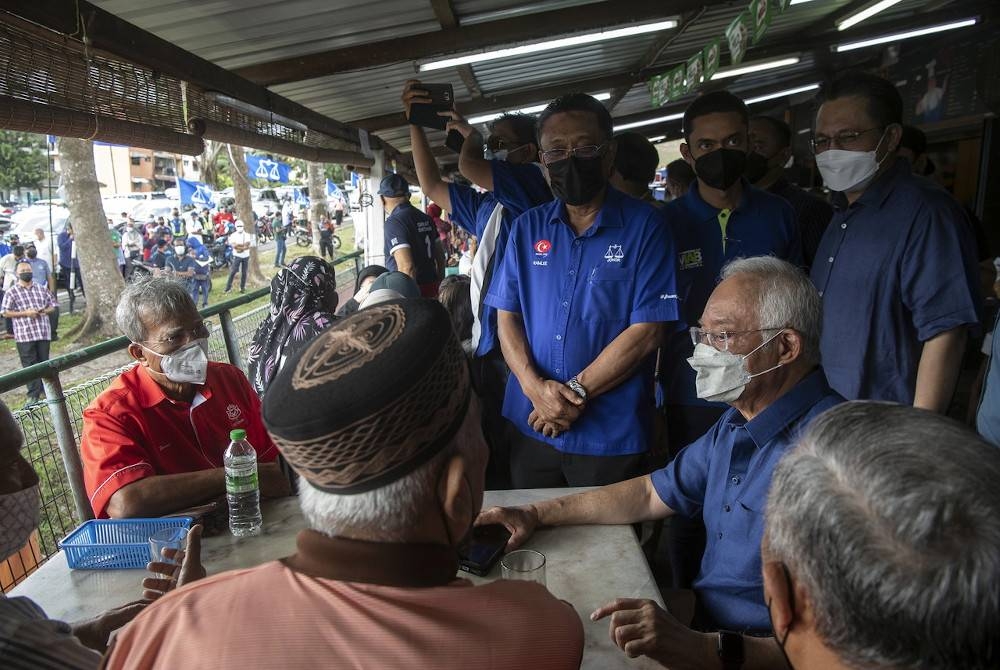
(221, 252)
(265, 232)
(302, 233)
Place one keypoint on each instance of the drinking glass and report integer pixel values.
(167, 538)
(524, 564)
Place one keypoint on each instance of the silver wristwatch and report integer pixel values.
(577, 387)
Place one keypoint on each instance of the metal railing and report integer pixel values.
(52, 429)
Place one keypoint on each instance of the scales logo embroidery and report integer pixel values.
(691, 259)
(233, 413)
(614, 254)
(543, 247)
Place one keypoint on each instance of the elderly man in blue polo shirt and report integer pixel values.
(896, 267)
(584, 291)
(720, 218)
(757, 350)
(513, 183)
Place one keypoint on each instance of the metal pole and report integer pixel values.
(63, 426)
(230, 338)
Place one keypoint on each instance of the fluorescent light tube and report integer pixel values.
(658, 138)
(534, 109)
(895, 37)
(867, 13)
(755, 67)
(781, 94)
(649, 122)
(561, 43)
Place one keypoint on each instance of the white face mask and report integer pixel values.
(848, 171)
(19, 512)
(179, 251)
(723, 376)
(499, 154)
(187, 365)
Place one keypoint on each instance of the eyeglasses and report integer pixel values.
(586, 151)
(847, 138)
(721, 339)
(201, 330)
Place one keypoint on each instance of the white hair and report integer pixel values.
(786, 298)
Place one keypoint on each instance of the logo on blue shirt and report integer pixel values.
(614, 254)
(691, 259)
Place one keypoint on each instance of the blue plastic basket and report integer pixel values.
(115, 544)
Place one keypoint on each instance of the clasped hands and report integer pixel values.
(556, 407)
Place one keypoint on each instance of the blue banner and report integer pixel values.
(332, 190)
(195, 193)
(355, 178)
(301, 198)
(259, 167)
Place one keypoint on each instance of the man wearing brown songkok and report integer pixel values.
(390, 481)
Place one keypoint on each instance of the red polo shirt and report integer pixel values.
(133, 430)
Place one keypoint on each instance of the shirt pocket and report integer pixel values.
(608, 294)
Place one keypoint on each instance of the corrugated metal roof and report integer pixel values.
(235, 33)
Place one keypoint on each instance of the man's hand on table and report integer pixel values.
(187, 569)
(643, 628)
(94, 633)
(520, 521)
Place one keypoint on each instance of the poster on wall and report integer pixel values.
(659, 89)
(760, 15)
(712, 52)
(693, 71)
(738, 36)
(677, 82)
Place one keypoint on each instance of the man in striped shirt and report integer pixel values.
(29, 640)
(28, 305)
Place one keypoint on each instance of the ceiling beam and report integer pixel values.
(470, 38)
(445, 15)
(508, 101)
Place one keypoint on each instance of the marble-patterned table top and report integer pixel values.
(585, 565)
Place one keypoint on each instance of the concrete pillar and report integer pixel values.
(374, 216)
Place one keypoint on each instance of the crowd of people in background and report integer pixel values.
(758, 372)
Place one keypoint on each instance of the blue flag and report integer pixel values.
(355, 178)
(259, 167)
(195, 193)
(301, 198)
(332, 190)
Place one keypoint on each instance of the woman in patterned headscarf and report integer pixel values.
(303, 301)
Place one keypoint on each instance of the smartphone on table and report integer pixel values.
(482, 548)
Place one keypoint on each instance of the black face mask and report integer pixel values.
(575, 180)
(721, 168)
(25, 276)
(756, 167)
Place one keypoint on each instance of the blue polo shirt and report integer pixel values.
(761, 225)
(894, 269)
(409, 227)
(518, 188)
(725, 476)
(988, 414)
(576, 295)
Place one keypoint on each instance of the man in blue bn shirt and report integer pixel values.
(512, 183)
(584, 289)
(412, 245)
(896, 267)
(758, 351)
(721, 217)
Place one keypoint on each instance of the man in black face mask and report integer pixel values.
(721, 217)
(770, 153)
(584, 292)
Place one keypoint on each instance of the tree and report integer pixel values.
(244, 205)
(22, 161)
(102, 280)
(210, 167)
(317, 200)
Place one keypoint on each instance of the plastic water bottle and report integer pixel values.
(242, 490)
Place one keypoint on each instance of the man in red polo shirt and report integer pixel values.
(153, 441)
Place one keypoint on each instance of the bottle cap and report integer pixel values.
(237, 435)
